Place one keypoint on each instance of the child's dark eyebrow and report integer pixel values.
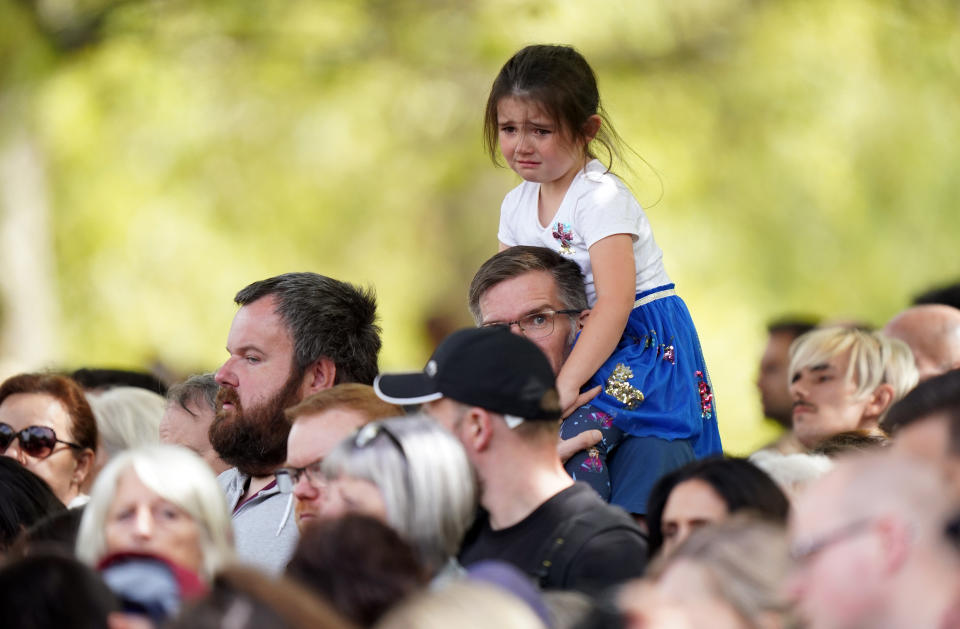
(820, 367)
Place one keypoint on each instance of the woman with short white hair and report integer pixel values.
(844, 379)
(412, 474)
(159, 500)
(127, 417)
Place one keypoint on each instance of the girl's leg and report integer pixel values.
(590, 465)
(637, 465)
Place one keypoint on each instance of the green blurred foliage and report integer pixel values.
(794, 156)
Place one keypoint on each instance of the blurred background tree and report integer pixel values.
(158, 155)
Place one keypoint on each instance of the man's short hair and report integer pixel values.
(516, 261)
(793, 326)
(875, 358)
(326, 319)
(939, 395)
(947, 295)
(352, 396)
(200, 389)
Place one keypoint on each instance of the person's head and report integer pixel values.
(925, 424)
(98, 379)
(317, 425)
(933, 333)
(295, 334)
(946, 294)
(708, 491)
(845, 379)
(24, 499)
(792, 472)
(357, 563)
(410, 473)
(772, 377)
(464, 604)
(522, 282)
(127, 417)
(735, 569)
(850, 442)
(494, 390)
(54, 533)
(46, 423)
(162, 500)
(187, 416)
(545, 103)
(244, 598)
(54, 591)
(862, 535)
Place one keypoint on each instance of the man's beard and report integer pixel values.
(254, 440)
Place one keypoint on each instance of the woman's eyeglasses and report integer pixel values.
(36, 441)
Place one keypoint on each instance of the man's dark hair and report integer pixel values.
(327, 319)
(94, 378)
(793, 325)
(739, 483)
(516, 261)
(948, 295)
(201, 389)
(939, 395)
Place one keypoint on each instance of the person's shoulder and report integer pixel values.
(581, 499)
(523, 191)
(597, 186)
(601, 544)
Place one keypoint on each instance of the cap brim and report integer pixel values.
(406, 389)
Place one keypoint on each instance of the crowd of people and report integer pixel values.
(298, 486)
(558, 465)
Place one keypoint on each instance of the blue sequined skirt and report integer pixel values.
(656, 384)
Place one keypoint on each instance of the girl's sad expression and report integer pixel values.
(535, 146)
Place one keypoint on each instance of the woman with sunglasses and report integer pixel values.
(47, 425)
(411, 474)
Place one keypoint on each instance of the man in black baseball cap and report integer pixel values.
(495, 391)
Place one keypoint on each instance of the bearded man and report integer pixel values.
(294, 335)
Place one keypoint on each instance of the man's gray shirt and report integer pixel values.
(264, 526)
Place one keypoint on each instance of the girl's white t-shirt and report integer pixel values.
(596, 205)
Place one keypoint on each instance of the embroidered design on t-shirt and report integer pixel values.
(564, 235)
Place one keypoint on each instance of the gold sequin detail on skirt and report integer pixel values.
(619, 387)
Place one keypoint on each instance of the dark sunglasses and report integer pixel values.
(37, 441)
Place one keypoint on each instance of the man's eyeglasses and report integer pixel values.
(536, 325)
(806, 549)
(288, 477)
(36, 441)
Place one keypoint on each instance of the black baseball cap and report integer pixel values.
(489, 367)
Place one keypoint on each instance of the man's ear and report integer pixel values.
(320, 375)
(582, 318)
(880, 401)
(476, 430)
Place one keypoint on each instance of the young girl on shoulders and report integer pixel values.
(638, 343)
